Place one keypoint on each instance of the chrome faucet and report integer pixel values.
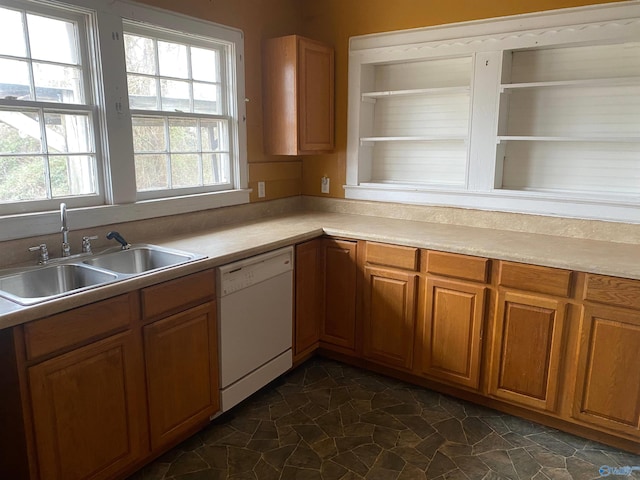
(66, 249)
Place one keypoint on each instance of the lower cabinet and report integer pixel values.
(527, 347)
(181, 357)
(452, 331)
(309, 298)
(88, 410)
(339, 268)
(388, 326)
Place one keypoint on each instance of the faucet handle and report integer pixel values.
(43, 257)
(86, 243)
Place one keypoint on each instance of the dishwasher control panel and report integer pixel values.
(245, 273)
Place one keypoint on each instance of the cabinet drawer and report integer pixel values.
(176, 294)
(392, 255)
(551, 281)
(458, 266)
(620, 292)
(77, 326)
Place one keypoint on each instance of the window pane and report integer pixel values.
(185, 171)
(140, 54)
(206, 98)
(55, 83)
(175, 96)
(22, 178)
(19, 132)
(214, 135)
(143, 93)
(52, 39)
(183, 135)
(68, 133)
(173, 60)
(151, 172)
(215, 168)
(72, 175)
(205, 64)
(11, 33)
(148, 135)
(14, 80)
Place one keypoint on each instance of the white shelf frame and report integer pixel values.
(417, 92)
(486, 41)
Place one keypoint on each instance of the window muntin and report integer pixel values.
(47, 145)
(180, 115)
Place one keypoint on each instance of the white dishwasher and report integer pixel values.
(255, 317)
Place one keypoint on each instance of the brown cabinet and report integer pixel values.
(453, 317)
(309, 304)
(298, 96)
(88, 409)
(181, 357)
(339, 265)
(389, 304)
(607, 389)
(528, 338)
(388, 326)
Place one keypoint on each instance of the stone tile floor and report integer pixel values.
(329, 421)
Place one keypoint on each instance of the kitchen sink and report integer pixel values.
(139, 259)
(68, 275)
(45, 283)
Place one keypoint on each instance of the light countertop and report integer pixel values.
(233, 242)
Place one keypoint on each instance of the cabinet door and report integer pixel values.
(608, 380)
(181, 356)
(88, 410)
(315, 94)
(309, 308)
(527, 346)
(389, 316)
(452, 331)
(340, 273)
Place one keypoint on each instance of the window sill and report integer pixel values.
(44, 223)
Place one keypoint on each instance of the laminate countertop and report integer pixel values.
(234, 242)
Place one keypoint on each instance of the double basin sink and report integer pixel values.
(76, 274)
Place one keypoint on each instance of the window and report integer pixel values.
(536, 113)
(67, 132)
(179, 99)
(47, 142)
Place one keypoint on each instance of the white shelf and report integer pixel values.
(367, 96)
(418, 138)
(599, 82)
(595, 139)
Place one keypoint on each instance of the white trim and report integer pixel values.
(43, 223)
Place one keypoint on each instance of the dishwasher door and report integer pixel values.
(256, 322)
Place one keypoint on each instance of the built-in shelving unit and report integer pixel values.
(536, 113)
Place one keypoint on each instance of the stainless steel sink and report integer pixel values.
(40, 284)
(140, 259)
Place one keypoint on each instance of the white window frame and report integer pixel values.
(86, 47)
(486, 41)
(121, 203)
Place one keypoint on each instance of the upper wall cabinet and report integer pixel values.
(298, 96)
(536, 113)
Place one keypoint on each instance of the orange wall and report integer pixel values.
(334, 21)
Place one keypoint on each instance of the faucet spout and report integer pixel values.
(66, 249)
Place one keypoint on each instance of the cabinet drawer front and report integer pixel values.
(173, 295)
(79, 325)
(552, 281)
(458, 266)
(392, 255)
(621, 292)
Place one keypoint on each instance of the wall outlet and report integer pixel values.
(261, 193)
(324, 188)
